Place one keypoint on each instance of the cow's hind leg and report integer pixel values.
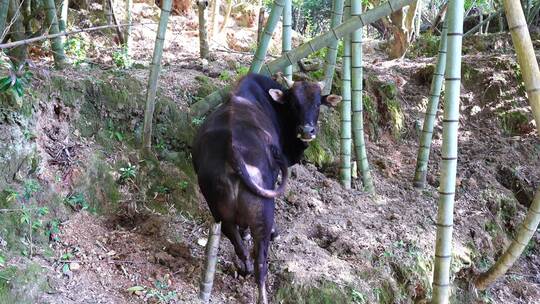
(261, 269)
(231, 232)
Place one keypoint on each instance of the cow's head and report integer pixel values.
(303, 100)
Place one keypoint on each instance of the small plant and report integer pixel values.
(183, 185)
(358, 297)
(197, 121)
(53, 230)
(224, 75)
(160, 146)
(31, 186)
(113, 132)
(242, 70)
(77, 202)
(129, 172)
(121, 58)
(16, 80)
(76, 47)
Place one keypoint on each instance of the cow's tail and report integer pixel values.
(240, 167)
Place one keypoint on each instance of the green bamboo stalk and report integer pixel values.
(129, 21)
(212, 248)
(17, 29)
(56, 43)
(287, 35)
(445, 212)
(262, 48)
(4, 6)
(357, 104)
(531, 76)
(422, 160)
(211, 101)
(346, 140)
(330, 60)
(204, 49)
(154, 74)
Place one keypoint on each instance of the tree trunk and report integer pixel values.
(346, 138)
(262, 48)
(4, 7)
(323, 40)
(400, 43)
(154, 75)
(531, 76)
(287, 35)
(357, 103)
(449, 153)
(227, 15)
(212, 249)
(431, 113)
(204, 49)
(330, 60)
(56, 43)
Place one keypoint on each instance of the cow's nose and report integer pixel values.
(308, 130)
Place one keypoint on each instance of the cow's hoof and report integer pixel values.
(274, 234)
(245, 268)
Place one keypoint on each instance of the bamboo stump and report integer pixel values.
(212, 248)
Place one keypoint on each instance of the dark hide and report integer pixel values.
(239, 152)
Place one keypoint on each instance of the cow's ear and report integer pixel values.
(331, 100)
(277, 95)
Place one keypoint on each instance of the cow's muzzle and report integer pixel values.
(306, 133)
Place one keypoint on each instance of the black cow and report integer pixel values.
(261, 130)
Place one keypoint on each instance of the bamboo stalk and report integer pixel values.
(479, 25)
(212, 249)
(214, 18)
(204, 106)
(121, 40)
(62, 23)
(56, 43)
(204, 49)
(447, 188)
(154, 74)
(346, 140)
(260, 24)
(357, 103)
(424, 148)
(4, 6)
(50, 36)
(531, 76)
(330, 60)
(262, 48)
(18, 32)
(287, 35)
(129, 5)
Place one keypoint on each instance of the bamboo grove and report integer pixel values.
(347, 23)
